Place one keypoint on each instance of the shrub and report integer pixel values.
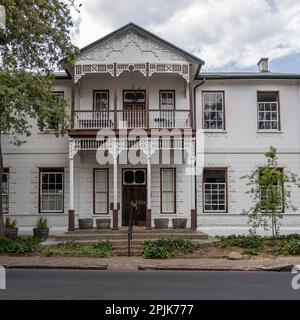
(246, 242)
(100, 249)
(290, 247)
(10, 223)
(18, 245)
(41, 223)
(167, 248)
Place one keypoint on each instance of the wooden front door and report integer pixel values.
(134, 104)
(134, 191)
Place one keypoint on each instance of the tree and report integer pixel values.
(36, 40)
(270, 192)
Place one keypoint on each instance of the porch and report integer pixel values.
(107, 190)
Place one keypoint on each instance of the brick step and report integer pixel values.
(135, 230)
(123, 236)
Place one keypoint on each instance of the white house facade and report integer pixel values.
(150, 130)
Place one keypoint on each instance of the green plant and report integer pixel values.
(100, 249)
(167, 248)
(41, 223)
(270, 190)
(10, 223)
(18, 245)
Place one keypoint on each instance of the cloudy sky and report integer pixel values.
(230, 35)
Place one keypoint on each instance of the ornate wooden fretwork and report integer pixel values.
(175, 68)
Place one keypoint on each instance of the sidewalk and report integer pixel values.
(138, 263)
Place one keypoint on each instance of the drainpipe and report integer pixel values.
(195, 121)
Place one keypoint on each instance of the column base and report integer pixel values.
(148, 219)
(71, 220)
(193, 219)
(115, 220)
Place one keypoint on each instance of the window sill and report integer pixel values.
(269, 131)
(214, 131)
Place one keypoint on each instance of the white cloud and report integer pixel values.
(225, 33)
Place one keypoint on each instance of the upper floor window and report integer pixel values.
(101, 100)
(215, 190)
(167, 99)
(213, 110)
(5, 190)
(51, 190)
(268, 111)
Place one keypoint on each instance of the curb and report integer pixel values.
(52, 267)
(277, 268)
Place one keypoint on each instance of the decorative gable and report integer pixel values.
(130, 47)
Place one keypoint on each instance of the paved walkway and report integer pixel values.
(135, 263)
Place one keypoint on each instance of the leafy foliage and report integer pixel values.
(167, 248)
(255, 245)
(41, 223)
(100, 249)
(270, 190)
(10, 223)
(18, 245)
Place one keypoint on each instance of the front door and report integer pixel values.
(134, 192)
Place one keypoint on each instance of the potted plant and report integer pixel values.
(179, 223)
(103, 223)
(161, 223)
(41, 229)
(10, 229)
(85, 223)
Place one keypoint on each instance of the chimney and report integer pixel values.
(263, 65)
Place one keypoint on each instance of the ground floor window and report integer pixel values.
(5, 191)
(168, 190)
(214, 189)
(101, 191)
(51, 190)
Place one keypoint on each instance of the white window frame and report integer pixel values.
(210, 111)
(217, 190)
(7, 193)
(168, 106)
(106, 192)
(269, 112)
(101, 108)
(173, 191)
(49, 171)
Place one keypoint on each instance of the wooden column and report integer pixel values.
(115, 97)
(71, 213)
(191, 96)
(147, 94)
(115, 186)
(148, 216)
(73, 99)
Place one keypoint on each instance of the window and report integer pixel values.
(167, 100)
(268, 111)
(59, 94)
(168, 183)
(101, 191)
(213, 111)
(214, 189)
(265, 193)
(101, 100)
(51, 190)
(5, 187)
(134, 96)
(134, 177)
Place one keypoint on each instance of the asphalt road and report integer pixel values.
(114, 285)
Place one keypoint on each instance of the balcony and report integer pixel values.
(132, 119)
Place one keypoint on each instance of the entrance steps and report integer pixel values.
(119, 238)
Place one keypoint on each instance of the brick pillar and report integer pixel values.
(71, 220)
(115, 220)
(193, 219)
(148, 219)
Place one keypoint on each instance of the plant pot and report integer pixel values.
(41, 233)
(85, 223)
(103, 223)
(11, 233)
(161, 223)
(179, 223)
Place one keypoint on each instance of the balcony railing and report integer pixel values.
(131, 119)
